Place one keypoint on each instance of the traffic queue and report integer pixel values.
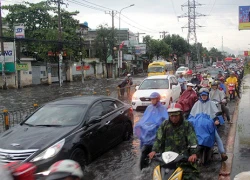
(189, 131)
(180, 134)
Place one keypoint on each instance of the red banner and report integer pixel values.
(79, 68)
(246, 53)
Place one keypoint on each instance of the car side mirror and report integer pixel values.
(136, 87)
(94, 119)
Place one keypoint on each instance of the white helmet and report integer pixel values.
(190, 84)
(128, 75)
(63, 169)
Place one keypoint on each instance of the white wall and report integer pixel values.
(10, 80)
(26, 76)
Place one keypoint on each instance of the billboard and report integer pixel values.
(140, 49)
(19, 32)
(244, 17)
(8, 51)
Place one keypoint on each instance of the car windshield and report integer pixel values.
(57, 115)
(154, 84)
(155, 69)
(215, 72)
(181, 69)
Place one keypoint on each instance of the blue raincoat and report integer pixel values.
(148, 125)
(201, 116)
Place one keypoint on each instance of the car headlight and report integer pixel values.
(50, 152)
(163, 96)
(134, 97)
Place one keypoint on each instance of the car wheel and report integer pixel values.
(128, 132)
(79, 156)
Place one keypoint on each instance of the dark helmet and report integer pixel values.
(215, 83)
(155, 95)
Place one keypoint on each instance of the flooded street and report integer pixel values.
(119, 163)
(242, 138)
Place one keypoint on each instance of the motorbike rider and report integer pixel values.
(182, 81)
(205, 81)
(233, 80)
(187, 99)
(65, 170)
(219, 75)
(195, 79)
(178, 135)
(199, 76)
(129, 83)
(206, 107)
(220, 96)
(222, 85)
(147, 126)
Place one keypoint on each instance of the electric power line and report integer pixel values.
(98, 5)
(212, 8)
(174, 9)
(136, 26)
(138, 23)
(85, 5)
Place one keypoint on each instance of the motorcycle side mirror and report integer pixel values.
(218, 114)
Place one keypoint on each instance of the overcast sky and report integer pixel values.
(151, 17)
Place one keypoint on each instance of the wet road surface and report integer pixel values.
(242, 138)
(122, 162)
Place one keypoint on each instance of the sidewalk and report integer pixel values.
(242, 139)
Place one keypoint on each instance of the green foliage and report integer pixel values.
(104, 42)
(41, 23)
(177, 43)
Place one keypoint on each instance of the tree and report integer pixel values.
(178, 44)
(104, 43)
(156, 48)
(41, 24)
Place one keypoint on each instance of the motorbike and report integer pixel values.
(206, 153)
(231, 91)
(167, 170)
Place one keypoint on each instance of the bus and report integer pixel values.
(159, 68)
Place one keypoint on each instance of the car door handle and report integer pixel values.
(107, 123)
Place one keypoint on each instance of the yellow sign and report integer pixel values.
(22, 67)
(244, 17)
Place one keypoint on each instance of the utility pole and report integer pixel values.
(2, 49)
(112, 13)
(163, 34)
(138, 37)
(192, 15)
(222, 47)
(60, 48)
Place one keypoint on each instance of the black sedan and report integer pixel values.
(78, 128)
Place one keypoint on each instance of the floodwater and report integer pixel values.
(121, 162)
(242, 138)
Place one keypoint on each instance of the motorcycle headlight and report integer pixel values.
(50, 152)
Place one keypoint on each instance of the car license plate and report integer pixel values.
(145, 104)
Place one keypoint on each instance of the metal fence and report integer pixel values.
(9, 119)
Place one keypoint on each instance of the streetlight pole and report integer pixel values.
(119, 51)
